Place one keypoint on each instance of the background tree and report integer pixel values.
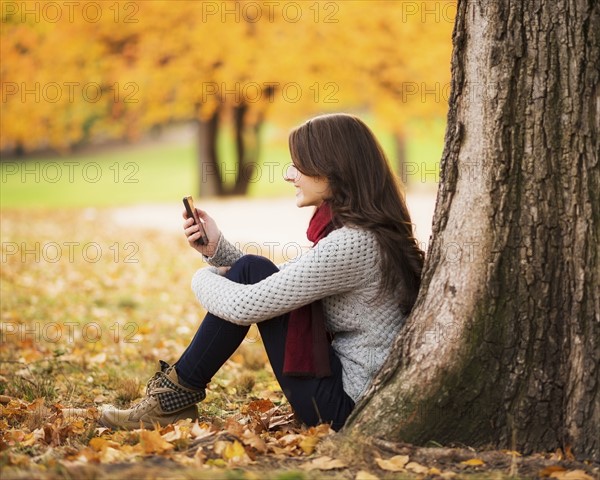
(228, 66)
(502, 347)
(406, 79)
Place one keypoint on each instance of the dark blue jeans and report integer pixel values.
(314, 400)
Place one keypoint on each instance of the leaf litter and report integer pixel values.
(79, 333)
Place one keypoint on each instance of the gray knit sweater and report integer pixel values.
(343, 270)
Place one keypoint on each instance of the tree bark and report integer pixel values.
(502, 348)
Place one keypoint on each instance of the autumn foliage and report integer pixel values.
(79, 71)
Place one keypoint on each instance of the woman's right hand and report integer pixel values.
(192, 232)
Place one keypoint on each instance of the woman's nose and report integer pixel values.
(291, 174)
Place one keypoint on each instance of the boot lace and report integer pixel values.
(151, 390)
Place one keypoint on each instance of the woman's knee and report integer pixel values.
(251, 269)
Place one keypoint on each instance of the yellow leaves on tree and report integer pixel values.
(140, 64)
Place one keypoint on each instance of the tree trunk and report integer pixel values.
(247, 141)
(211, 183)
(401, 165)
(503, 346)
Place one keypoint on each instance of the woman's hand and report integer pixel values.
(192, 232)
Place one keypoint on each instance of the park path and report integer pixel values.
(260, 225)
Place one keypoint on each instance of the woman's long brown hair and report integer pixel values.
(364, 193)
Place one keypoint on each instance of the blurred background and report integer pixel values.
(127, 102)
(112, 111)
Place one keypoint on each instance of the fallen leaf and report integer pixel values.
(364, 475)
(546, 472)
(253, 440)
(110, 455)
(98, 444)
(324, 463)
(289, 439)
(308, 444)
(30, 439)
(448, 474)
(152, 442)
(85, 455)
(258, 406)
(234, 427)
(14, 436)
(278, 450)
(416, 467)
(234, 449)
(78, 426)
(279, 420)
(176, 433)
(394, 464)
(216, 462)
(473, 462)
(199, 432)
(511, 452)
(321, 430)
(571, 475)
(234, 452)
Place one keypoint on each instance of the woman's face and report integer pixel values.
(309, 190)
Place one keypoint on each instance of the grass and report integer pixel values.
(129, 175)
(69, 364)
(163, 171)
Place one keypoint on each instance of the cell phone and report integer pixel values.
(191, 213)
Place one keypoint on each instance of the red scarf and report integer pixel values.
(307, 341)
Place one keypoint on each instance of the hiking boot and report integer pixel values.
(166, 401)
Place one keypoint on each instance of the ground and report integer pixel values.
(93, 298)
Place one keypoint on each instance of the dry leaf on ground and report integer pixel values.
(152, 442)
(364, 475)
(417, 467)
(571, 475)
(394, 464)
(324, 463)
(473, 462)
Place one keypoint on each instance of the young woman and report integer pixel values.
(328, 318)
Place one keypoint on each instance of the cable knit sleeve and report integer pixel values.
(340, 262)
(226, 254)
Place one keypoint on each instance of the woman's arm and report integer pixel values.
(225, 253)
(342, 261)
